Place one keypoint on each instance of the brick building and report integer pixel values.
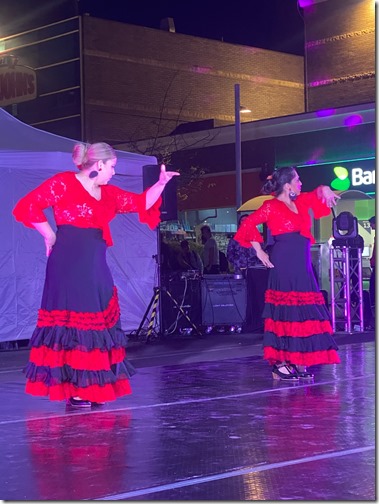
(339, 52)
(139, 82)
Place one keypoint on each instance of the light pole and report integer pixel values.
(237, 122)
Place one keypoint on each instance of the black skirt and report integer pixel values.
(78, 346)
(297, 327)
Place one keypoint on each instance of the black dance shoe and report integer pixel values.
(97, 404)
(284, 372)
(78, 403)
(303, 373)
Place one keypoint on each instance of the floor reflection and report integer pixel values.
(62, 448)
(217, 428)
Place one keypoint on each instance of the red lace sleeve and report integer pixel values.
(248, 230)
(313, 201)
(132, 202)
(30, 208)
(152, 216)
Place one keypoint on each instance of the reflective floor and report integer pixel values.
(205, 422)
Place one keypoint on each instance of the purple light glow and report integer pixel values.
(318, 83)
(353, 120)
(325, 112)
(316, 156)
(303, 4)
(311, 161)
(201, 70)
(311, 44)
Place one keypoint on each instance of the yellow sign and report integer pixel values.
(17, 84)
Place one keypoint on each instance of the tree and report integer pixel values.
(162, 147)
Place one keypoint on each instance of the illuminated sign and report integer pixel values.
(17, 84)
(340, 176)
(356, 178)
(360, 177)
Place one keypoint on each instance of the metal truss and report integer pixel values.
(346, 288)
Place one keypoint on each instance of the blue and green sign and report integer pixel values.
(340, 176)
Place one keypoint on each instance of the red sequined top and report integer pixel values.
(72, 204)
(280, 219)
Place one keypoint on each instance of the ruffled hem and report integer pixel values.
(319, 208)
(26, 213)
(297, 329)
(301, 358)
(95, 360)
(152, 216)
(93, 393)
(314, 343)
(79, 378)
(83, 321)
(244, 240)
(293, 298)
(64, 338)
(296, 313)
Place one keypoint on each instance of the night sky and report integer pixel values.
(269, 24)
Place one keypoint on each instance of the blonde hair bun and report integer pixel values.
(85, 155)
(79, 154)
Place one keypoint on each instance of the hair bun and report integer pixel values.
(78, 154)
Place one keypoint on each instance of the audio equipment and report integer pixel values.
(187, 294)
(223, 300)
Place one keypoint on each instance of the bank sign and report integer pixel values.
(356, 175)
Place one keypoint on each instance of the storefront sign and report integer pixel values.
(340, 176)
(17, 84)
(361, 177)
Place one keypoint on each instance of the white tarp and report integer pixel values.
(29, 156)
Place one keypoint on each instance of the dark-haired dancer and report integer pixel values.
(78, 348)
(297, 328)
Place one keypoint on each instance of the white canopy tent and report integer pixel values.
(28, 156)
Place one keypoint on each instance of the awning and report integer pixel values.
(254, 203)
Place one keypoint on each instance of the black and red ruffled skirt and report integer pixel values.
(297, 326)
(78, 347)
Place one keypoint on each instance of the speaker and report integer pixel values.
(187, 293)
(223, 300)
(169, 207)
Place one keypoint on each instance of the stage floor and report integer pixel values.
(205, 421)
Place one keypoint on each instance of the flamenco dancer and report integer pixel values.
(297, 328)
(78, 348)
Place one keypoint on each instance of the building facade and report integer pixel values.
(315, 142)
(339, 52)
(136, 82)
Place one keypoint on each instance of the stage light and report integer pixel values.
(345, 226)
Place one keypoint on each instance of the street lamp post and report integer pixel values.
(237, 122)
